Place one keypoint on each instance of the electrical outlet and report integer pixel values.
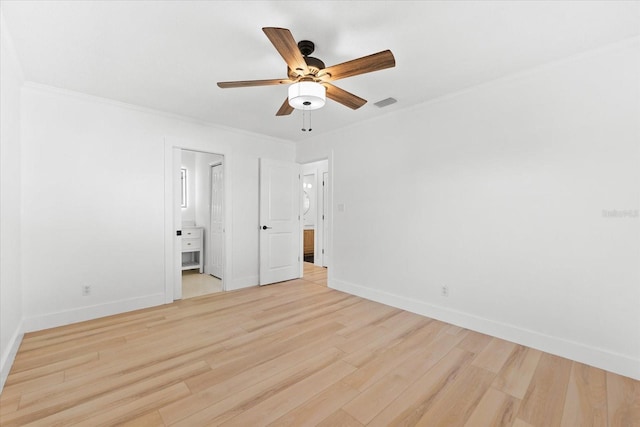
(444, 291)
(86, 290)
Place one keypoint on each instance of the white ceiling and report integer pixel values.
(168, 55)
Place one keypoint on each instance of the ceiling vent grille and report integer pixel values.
(385, 102)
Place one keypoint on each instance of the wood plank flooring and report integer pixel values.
(299, 354)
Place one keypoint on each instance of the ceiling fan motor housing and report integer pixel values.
(306, 47)
(314, 64)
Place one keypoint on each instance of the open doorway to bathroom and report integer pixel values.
(202, 222)
(315, 208)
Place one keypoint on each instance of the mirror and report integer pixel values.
(183, 180)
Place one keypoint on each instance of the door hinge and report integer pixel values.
(298, 259)
(323, 183)
(323, 252)
(298, 217)
(323, 217)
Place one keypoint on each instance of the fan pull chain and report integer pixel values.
(304, 115)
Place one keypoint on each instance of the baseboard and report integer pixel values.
(10, 354)
(603, 359)
(243, 282)
(67, 317)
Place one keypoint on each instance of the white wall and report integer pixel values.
(11, 311)
(498, 192)
(93, 203)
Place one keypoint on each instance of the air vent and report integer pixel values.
(385, 102)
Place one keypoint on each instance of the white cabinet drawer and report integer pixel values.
(191, 244)
(189, 233)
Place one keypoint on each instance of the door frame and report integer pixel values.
(209, 246)
(328, 244)
(172, 248)
(322, 228)
(326, 191)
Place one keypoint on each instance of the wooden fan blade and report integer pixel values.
(285, 108)
(287, 47)
(343, 97)
(249, 83)
(366, 64)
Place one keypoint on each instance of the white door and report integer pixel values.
(325, 219)
(216, 234)
(280, 225)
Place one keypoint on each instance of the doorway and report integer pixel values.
(201, 223)
(315, 208)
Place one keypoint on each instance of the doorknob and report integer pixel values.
(264, 227)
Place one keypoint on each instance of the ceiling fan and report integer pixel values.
(308, 77)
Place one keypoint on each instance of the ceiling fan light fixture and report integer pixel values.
(307, 95)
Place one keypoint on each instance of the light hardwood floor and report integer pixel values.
(299, 353)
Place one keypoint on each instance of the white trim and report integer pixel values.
(600, 358)
(10, 354)
(323, 220)
(327, 257)
(300, 222)
(172, 266)
(91, 312)
(208, 250)
(9, 54)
